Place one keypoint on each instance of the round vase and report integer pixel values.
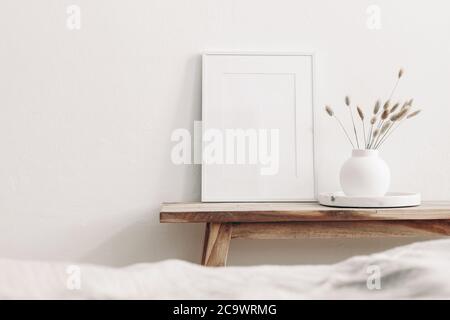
(365, 174)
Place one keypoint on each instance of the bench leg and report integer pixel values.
(216, 244)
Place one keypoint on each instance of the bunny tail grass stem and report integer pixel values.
(381, 123)
(373, 120)
(383, 131)
(345, 131)
(364, 133)
(384, 137)
(361, 117)
(375, 140)
(399, 117)
(370, 137)
(348, 104)
(383, 117)
(393, 89)
(399, 76)
(354, 127)
(375, 137)
(388, 134)
(330, 112)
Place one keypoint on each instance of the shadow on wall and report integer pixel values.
(188, 109)
(148, 240)
(310, 251)
(144, 242)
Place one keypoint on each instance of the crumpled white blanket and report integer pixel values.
(417, 271)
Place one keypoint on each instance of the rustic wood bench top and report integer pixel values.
(296, 211)
(288, 220)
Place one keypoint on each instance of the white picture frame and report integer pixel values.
(260, 94)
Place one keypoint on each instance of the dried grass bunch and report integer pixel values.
(382, 123)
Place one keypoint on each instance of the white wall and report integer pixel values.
(86, 116)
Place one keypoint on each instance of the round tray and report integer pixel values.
(390, 200)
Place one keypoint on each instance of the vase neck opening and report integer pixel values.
(364, 153)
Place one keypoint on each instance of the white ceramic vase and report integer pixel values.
(365, 174)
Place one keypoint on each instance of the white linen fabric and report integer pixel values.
(417, 271)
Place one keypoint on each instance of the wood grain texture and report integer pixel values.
(338, 229)
(294, 211)
(216, 244)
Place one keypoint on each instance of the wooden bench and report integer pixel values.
(226, 221)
